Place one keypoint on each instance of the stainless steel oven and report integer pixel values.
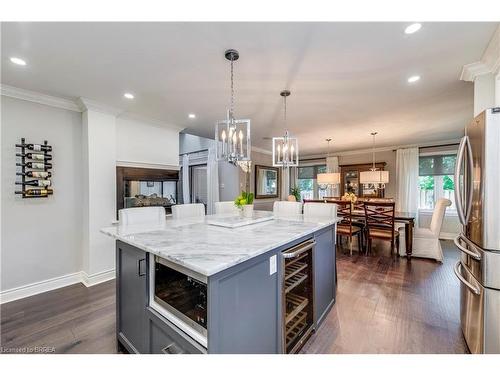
(180, 295)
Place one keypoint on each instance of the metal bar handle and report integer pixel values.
(139, 268)
(470, 177)
(458, 274)
(458, 191)
(172, 349)
(299, 249)
(476, 256)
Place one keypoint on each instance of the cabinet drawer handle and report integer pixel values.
(139, 267)
(171, 349)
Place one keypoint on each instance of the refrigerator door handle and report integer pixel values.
(458, 274)
(470, 178)
(458, 191)
(474, 255)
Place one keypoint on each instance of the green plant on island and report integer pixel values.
(295, 191)
(243, 199)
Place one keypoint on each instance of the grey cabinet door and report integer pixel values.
(131, 297)
(324, 274)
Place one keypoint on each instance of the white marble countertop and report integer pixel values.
(209, 249)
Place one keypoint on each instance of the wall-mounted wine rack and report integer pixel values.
(36, 168)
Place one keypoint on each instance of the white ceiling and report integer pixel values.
(347, 79)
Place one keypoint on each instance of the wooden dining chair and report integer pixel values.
(379, 218)
(346, 228)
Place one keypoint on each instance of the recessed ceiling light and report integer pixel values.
(413, 28)
(192, 115)
(413, 79)
(17, 61)
(128, 95)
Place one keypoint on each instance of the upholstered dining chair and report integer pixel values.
(320, 210)
(284, 208)
(346, 228)
(426, 240)
(184, 211)
(226, 207)
(379, 218)
(142, 215)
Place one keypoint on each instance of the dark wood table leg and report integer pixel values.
(409, 238)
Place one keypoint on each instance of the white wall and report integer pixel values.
(41, 238)
(140, 142)
(484, 92)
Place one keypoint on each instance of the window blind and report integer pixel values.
(437, 165)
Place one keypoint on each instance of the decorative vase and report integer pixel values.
(248, 210)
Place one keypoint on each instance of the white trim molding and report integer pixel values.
(97, 278)
(150, 121)
(86, 104)
(36, 97)
(123, 163)
(29, 290)
(489, 63)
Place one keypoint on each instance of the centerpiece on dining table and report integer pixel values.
(244, 202)
(350, 197)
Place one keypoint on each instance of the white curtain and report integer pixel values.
(407, 179)
(332, 165)
(212, 180)
(185, 179)
(285, 183)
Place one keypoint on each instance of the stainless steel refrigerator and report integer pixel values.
(477, 195)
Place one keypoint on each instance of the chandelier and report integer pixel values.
(286, 148)
(232, 135)
(374, 178)
(328, 178)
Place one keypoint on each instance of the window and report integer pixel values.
(436, 179)
(306, 181)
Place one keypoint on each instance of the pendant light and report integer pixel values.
(286, 148)
(232, 135)
(328, 178)
(374, 178)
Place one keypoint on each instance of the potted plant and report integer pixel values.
(295, 191)
(350, 197)
(244, 202)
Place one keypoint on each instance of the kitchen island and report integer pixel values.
(193, 286)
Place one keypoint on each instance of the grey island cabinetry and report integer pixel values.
(192, 287)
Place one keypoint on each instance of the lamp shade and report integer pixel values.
(374, 177)
(328, 178)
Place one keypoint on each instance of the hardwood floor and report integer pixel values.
(382, 307)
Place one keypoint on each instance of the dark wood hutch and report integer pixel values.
(349, 180)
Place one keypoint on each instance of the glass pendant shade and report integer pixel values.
(332, 178)
(285, 151)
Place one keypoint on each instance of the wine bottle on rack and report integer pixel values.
(40, 183)
(35, 174)
(33, 156)
(37, 192)
(35, 165)
(36, 147)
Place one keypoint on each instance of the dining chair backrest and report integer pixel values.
(438, 215)
(227, 207)
(344, 209)
(142, 215)
(320, 210)
(380, 200)
(284, 208)
(184, 211)
(380, 215)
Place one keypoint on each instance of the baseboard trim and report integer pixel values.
(29, 290)
(97, 278)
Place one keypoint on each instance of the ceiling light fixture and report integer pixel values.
(286, 148)
(413, 79)
(328, 178)
(17, 61)
(232, 136)
(192, 115)
(128, 95)
(413, 28)
(374, 178)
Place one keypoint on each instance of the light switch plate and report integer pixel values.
(272, 265)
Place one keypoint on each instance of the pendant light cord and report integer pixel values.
(231, 105)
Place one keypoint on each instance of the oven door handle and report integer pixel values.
(474, 255)
(299, 249)
(140, 272)
(458, 274)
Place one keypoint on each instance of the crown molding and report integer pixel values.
(86, 104)
(36, 97)
(489, 63)
(150, 121)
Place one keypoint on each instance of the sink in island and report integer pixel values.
(199, 286)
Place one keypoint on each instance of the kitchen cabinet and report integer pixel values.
(131, 297)
(324, 274)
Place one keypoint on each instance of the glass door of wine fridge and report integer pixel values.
(297, 295)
